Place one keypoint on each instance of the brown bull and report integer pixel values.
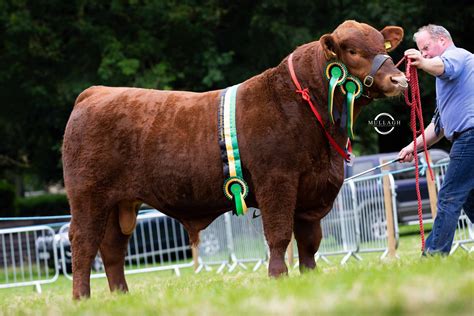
(125, 146)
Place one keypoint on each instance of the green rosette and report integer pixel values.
(352, 88)
(336, 73)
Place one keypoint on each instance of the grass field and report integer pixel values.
(408, 286)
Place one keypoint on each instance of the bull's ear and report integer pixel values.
(329, 46)
(393, 36)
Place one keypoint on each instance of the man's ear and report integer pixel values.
(393, 35)
(329, 46)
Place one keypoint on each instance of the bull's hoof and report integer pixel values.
(80, 296)
(307, 265)
(121, 288)
(277, 270)
(307, 268)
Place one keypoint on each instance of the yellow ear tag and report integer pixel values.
(388, 45)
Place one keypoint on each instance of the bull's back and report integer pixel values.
(131, 136)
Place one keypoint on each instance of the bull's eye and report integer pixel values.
(352, 52)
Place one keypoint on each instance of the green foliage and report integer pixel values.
(52, 50)
(7, 199)
(42, 205)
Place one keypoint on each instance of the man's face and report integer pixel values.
(430, 47)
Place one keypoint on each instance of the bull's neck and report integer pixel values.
(310, 68)
(309, 65)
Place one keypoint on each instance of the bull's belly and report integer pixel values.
(318, 196)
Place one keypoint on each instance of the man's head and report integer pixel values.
(432, 40)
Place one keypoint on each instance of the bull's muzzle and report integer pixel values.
(400, 80)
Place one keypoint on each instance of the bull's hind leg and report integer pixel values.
(85, 233)
(113, 248)
(308, 235)
(276, 199)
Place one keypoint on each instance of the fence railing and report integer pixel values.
(233, 242)
(341, 229)
(358, 221)
(158, 243)
(25, 259)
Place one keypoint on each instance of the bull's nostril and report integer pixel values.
(400, 81)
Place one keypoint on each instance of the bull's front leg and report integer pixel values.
(276, 198)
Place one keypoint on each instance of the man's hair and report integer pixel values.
(435, 31)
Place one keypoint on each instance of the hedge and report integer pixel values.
(7, 199)
(42, 205)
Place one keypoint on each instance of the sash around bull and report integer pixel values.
(127, 146)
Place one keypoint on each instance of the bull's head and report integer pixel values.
(363, 50)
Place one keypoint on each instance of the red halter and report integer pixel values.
(305, 95)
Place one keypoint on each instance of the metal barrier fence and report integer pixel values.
(357, 224)
(158, 243)
(232, 242)
(372, 212)
(22, 258)
(214, 247)
(465, 229)
(341, 229)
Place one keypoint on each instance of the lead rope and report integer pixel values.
(416, 114)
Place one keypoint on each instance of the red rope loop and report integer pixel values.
(416, 115)
(304, 93)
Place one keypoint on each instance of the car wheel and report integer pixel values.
(97, 264)
(209, 244)
(378, 229)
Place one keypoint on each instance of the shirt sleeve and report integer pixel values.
(453, 65)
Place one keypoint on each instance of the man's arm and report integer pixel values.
(406, 154)
(434, 66)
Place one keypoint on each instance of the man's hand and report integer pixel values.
(406, 154)
(432, 65)
(415, 56)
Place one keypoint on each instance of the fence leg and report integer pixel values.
(318, 256)
(454, 248)
(258, 265)
(387, 193)
(38, 288)
(290, 252)
(349, 255)
(221, 268)
(432, 192)
(198, 269)
(195, 253)
(346, 258)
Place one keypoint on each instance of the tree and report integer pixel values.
(51, 50)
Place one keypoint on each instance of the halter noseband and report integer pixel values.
(378, 61)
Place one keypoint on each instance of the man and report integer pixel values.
(453, 68)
